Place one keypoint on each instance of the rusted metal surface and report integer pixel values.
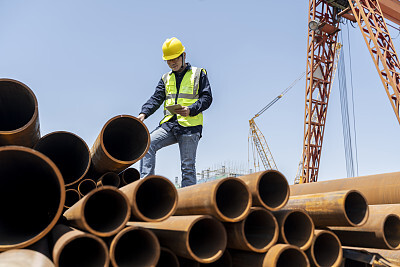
(257, 232)
(24, 257)
(31, 187)
(109, 178)
(167, 258)
(69, 152)
(338, 208)
(377, 189)
(227, 199)
(19, 115)
(269, 189)
(103, 212)
(76, 248)
(151, 199)
(224, 261)
(382, 230)
(198, 237)
(129, 175)
(123, 140)
(295, 227)
(277, 256)
(71, 197)
(325, 249)
(85, 186)
(391, 10)
(134, 246)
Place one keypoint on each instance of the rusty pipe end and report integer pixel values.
(109, 178)
(326, 249)
(273, 190)
(225, 260)
(261, 230)
(135, 246)
(285, 255)
(129, 175)
(69, 152)
(71, 197)
(233, 199)
(391, 231)
(356, 208)
(102, 212)
(152, 199)
(167, 258)
(85, 186)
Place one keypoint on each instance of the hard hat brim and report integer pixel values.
(169, 57)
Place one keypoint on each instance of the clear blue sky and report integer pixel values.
(88, 61)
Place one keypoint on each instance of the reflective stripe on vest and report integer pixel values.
(188, 94)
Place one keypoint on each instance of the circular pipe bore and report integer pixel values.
(19, 116)
(129, 175)
(326, 249)
(71, 197)
(273, 190)
(225, 260)
(356, 208)
(109, 178)
(86, 186)
(135, 246)
(291, 256)
(69, 152)
(233, 199)
(297, 229)
(391, 231)
(32, 193)
(167, 259)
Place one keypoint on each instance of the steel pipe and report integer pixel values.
(198, 237)
(69, 152)
(123, 140)
(86, 186)
(280, 255)
(76, 248)
(71, 197)
(377, 189)
(339, 208)
(224, 261)
(382, 230)
(257, 232)
(325, 249)
(19, 115)
(129, 175)
(103, 212)
(151, 199)
(109, 178)
(167, 258)
(32, 193)
(24, 257)
(269, 189)
(227, 199)
(295, 227)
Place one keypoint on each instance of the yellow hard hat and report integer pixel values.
(172, 48)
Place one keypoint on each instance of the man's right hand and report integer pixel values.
(141, 117)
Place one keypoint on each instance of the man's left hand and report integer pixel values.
(184, 111)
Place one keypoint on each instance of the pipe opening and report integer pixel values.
(86, 186)
(232, 198)
(260, 228)
(225, 261)
(125, 138)
(156, 198)
(298, 228)
(326, 249)
(106, 210)
(17, 105)
(71, 197)
(83, 251)
(110, 178)
(391, 230)
(130, 175)
(69, 152)
(207, 238)
(136, 247)
(292, 257)
(273, 190)
(167, 259)
(30, 191)
(356, 208)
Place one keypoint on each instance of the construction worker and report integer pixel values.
(185, 85)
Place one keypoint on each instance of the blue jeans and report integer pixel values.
(187, 147)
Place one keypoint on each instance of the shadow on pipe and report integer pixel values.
(19, 115)
(198, 237)
(257, 232)
(183, 262)
(86, 186)
(129, 175)
(153, 198)
(32, 194)
(227, 199)
(109, 178)
(24, 257)
(69, 152)
(103, 212)
(269, 189)
(77, 248)
(325, 250)
(167, 259)
(123, 140)
(296, 227)
(134, 246)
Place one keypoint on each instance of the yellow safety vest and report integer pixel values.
(188, 94)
